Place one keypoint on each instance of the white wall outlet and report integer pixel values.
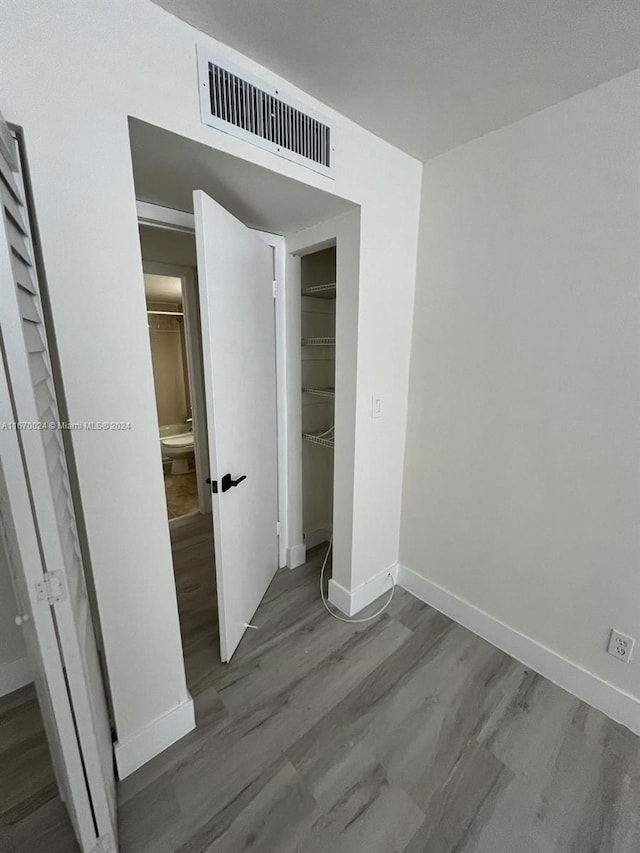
(376, 406)
(621, 646)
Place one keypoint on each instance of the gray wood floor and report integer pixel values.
(27, 780)
(406, 734)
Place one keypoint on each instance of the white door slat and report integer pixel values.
(43, 396)
(23, 274)
(52, 437)
(28, 306)
(33, 338)
(18, 242)
(12, 208)
(38, 368)
(8, 178)
(56, 472)
(47, 415)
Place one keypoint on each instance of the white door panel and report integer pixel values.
(235, 279)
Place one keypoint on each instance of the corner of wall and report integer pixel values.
(595, 691)
(352, 602)
(154, 738)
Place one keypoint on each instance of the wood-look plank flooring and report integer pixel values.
(27, 780)
(408, 734)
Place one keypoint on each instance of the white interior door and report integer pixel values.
(61, 586)
(235, 281)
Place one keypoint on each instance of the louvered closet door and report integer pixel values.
(21, 552)
(30, 379)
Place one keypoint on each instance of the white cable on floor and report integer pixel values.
(324, 600)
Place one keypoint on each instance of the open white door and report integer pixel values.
(235, 281)
(56, 583)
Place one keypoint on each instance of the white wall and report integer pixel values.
(522, 472)
(159, 245)
(168, 372)
(71, 74)
(15, 667)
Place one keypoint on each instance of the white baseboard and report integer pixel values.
(296, 556)
(351, 603)
(14, 675)
(615, 703)
(315, 537)
(154, 738)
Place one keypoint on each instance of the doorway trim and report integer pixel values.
(164, 217)
(343, 231)
(157, 216)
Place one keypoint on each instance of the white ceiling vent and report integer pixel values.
(238, 103)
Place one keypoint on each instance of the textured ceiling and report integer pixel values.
(426, 75)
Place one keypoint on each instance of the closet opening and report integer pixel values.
(318, 376)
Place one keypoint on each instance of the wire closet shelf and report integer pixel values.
(318, 342)
(330, 393)
(321, 291)
(324, 438)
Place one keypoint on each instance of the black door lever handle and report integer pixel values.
(227, 483)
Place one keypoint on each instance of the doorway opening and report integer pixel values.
(318, 373)
(243, 216)
(173, 317)
(172, 383)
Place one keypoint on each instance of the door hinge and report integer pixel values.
(278, 526)
(275, 289)
(51, 588)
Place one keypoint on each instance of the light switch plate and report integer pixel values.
(376, 406)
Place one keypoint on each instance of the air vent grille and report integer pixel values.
(233, 102)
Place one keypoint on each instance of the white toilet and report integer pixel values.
(179, 448)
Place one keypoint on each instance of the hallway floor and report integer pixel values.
(194, 570)
(405, 735)
(181, 493)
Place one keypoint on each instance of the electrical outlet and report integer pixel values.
(621, 646)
